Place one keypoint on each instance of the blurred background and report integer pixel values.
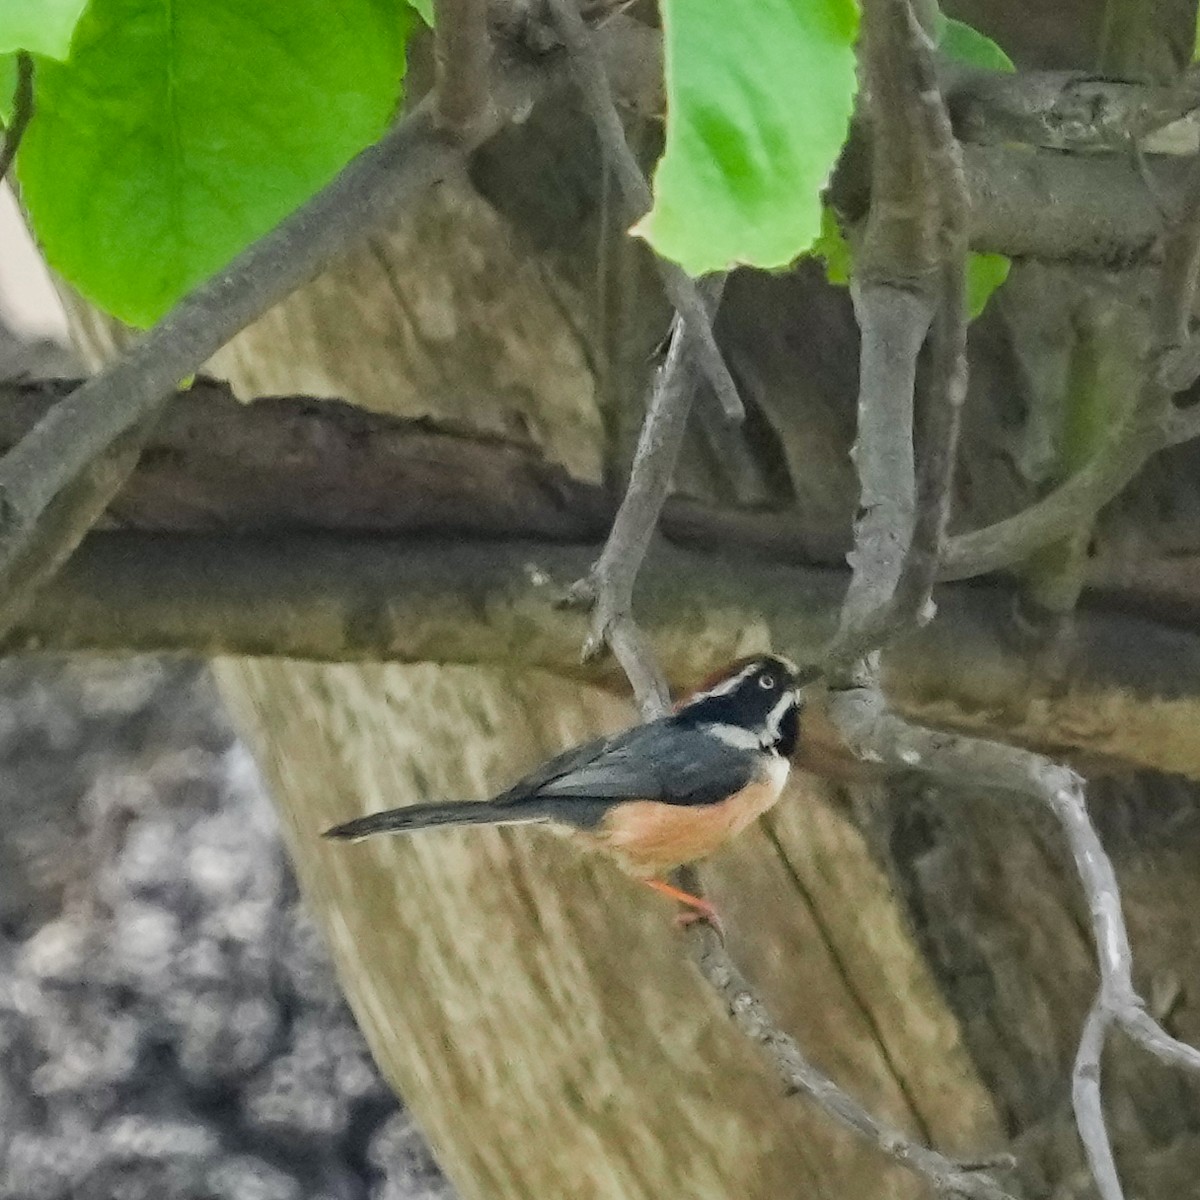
(170, 1024)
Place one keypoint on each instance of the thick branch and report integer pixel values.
(428, 599)
(295, 464)
(945, 390)
(636, 199)
(903, 256)
(894, 323)
(1064, 110)
(462, 50)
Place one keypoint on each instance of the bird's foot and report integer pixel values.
(695, 907)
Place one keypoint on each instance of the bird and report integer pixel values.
(658, 795)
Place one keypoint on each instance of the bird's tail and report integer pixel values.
(429, 816)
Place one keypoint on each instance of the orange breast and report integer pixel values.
(649, 837)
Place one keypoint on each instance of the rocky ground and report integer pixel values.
(170, 1025)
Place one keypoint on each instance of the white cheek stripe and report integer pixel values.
(775, 717)
(748, 739)
(726, 685)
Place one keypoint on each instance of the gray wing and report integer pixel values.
(657, 761)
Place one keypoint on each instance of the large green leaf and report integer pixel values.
(181, 130)
(759, 94)
(40, 26)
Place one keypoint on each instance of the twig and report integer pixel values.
(800, 1077)
(22, 112)
(462, 50)
(636, 198)
(608, 587)
(43, 467)
(880, 737)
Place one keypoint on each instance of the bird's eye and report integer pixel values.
(766, 682)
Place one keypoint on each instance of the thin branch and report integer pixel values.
(879, 737)
(42, 469)
(1088, 1105)
(636, 198)
(1014, 539)
(22, 109)
(800, 1077)
(886, 547)
(462, 49)
(608, 587)
(1117, 993)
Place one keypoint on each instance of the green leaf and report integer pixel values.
(985, 273)
(425, 9)
(758, 100)
(181, 130)
(8, 86)
(832, 246)
(959, 41)
(39, 26)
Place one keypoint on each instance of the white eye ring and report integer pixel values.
(766, 682)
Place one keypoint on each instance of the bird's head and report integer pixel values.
(753, 703)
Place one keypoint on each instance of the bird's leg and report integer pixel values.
(700, 909)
